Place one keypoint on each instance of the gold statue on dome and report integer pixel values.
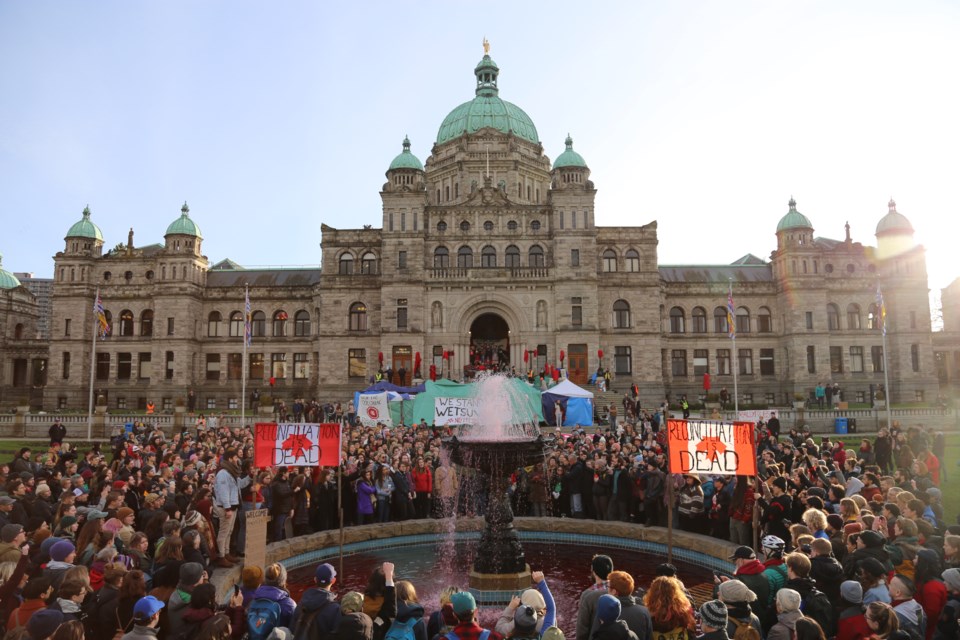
(486, 46)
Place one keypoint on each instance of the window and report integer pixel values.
(465, 258)
(621, 314)
(146, 323)
(836, 360)
(256, 366)
(103, 366)
(213, 324)
(126, 323)
(876, 358)
(833, 317)
(464, 226)
(915, 357)
(279, 323)
(699, 320)
(170, 326)
(856, 359)
(574, 257)
(236, 324)
(678, 363)
(234, 366)
(622, 362)
(402, 260)
(441, 258)
(576, 312)
(144, 359)
(677, 320)
(913, 319)
(573, 219)
(632, 261)
(535, 225)
(488, 226)
(723, 362)
(401, 317)
(535, 257)
(441, 226)
(720, 320)
(488, 257)
(811, 359)
(258, 324)
(766, 362)
(512, 225)
(609, 261)
(65, 365)
(357, 363)
(66, 328)
(853, 316)
(701, 362)
(743, 320)
(233, 404)
(368, 264)
(301, 324)
(301, 366)
(278, 366)
(213, 366)
(745, 361)
(124, 366)
(168, 367)
(764, 321)
(346, 265)
(358, 317)
(873, 318)
(106, 276)
(512, 257)
(808, 320)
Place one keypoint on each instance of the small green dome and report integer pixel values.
(85, 228)
(7, 279)
(406, 160)
(184, 226)
(894, 222)
(487, 109)
(794, 219)
(569, 158)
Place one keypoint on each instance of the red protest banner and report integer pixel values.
(712, 447)
(296, 444)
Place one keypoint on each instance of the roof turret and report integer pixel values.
(406, 160)
(894, 222)
(7, 279)
(569, 158)
(184, 226)
(794, 219)
(85, 228)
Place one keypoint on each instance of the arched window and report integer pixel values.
(279, 323)
(146, 322)
(513, 257)
(833, 317)
(621, 314)
(126, 323)
(258, 324)
(535, 258)
(358, 317)
(488, 257)
(609, 261)
(699, 320)
(301, 324)
(743, 320)
(441, 258)
(368, 264)
(720, 324)
(18, 331)
(764, 321)
(346, 264)
(213, 324)
(873, 318)
(853, 316)
(632, 261)
(677, 320)
(465, 258)
(236, 324)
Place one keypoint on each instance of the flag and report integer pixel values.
(881, 311)
(711, 447)
(247, 323)
(296, 444)
(731, 315)
(100, 315)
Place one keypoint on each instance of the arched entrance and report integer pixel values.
(489, 344)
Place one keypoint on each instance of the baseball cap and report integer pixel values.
(147, 607)
(325, 573)
(744, 553)
(463, 602)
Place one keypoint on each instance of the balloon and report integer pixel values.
(599, 353)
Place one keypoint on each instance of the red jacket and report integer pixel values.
(422, 480)
(932, 596)
(853, 628)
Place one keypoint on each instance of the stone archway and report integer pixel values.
(489, 343)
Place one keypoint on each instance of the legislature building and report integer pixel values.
(485, 254)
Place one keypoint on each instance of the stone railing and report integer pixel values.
(488, 273)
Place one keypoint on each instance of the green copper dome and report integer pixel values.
(7, 279)
(487, 110)
(85, 228)
(406, 160)
(569, 158)
(184, 226)
(794, 219)
(894, 222)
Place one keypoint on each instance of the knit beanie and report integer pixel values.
(525, 619)
(713, 613)
(851, 591)
(608, 609)
(61, 550)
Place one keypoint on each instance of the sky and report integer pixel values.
(270, 118)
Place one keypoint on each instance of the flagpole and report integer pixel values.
(886, 374)
(93, 369)
(243, 363)
(736, 360)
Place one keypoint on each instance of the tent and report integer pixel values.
(523, 398)
(577, 404)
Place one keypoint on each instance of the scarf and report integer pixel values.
(231, 467)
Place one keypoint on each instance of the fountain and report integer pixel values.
(503, 436)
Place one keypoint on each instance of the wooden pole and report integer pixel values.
(669, 517)
(340, 511)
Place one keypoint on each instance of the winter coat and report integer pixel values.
(828, 574)
(752, 575)
(364, 503)
(852, 624)
(422, 480)
(140, 632)
(852, 561)
(786, 626)
(313, 600)
(617, 630)
(690, 500)
(281, 597)
(814, 603)
(9, 552)
(911, 617)
(413, 611)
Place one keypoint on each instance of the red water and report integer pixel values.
(567, 570)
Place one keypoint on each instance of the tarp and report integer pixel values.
(454, 401)
(577, 404)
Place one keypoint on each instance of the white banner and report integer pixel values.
(373, 409)
(752, 415)
(455, 411)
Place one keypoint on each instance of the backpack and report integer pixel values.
(818, 606)
(401, 630)
(306, 629)
(262, 617)
(745, 631)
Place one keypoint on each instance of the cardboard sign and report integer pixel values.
(712, 447)
(296, 444)
(255, 550)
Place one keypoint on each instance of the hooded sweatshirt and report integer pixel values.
(407, 611)
(911, 616)
(751, 574)
(786, 626)
(314, 600)
(281, 597)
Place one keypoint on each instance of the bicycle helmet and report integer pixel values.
(773, 544)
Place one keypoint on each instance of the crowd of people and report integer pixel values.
(120, 540)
